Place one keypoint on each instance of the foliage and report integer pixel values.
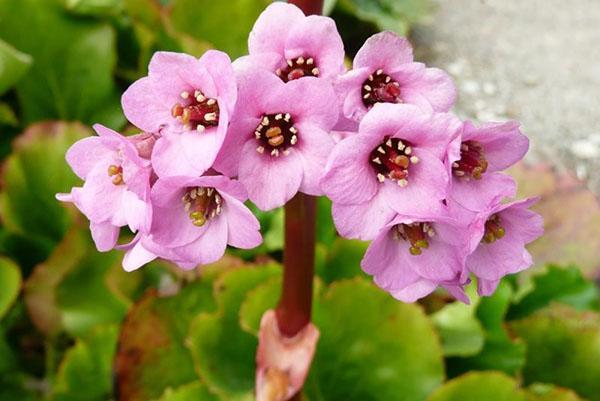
(71, 320)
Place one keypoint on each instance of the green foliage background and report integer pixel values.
(75, 327)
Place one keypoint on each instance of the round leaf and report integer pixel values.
(10, 284)
(478, 386)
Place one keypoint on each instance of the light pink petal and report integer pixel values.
(99, 198)
(493, 261)
(172, 227)
(384, 50)
(209, 247)
(385, 259)
(218, 65)
(440, 262)
(433, 86)
(243, 229)
(349, 178)
(174, 72)
(425, 130)
(145, 108)
(362, 221)
(308, 100)
(482, 194)
(528, 225)
(269, 61)
(415, 291)
(105, 235)
(503, 143)
(132, 211)
(458, 292)
(427, 183)
(272, 27)
(223, 185)
(314, 146)
(485, 288)
(136, 257)
(317, 37)
(84, 154)
(270, 181)
(239, 132)
(348, 86)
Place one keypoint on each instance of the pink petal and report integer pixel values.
(136, 257)
(209, 247)
(364, 220)
(504, 144)
(348, 86)
(270, 181)
(415, 291)
(314, 147)
(272, 27)
(485, 288)
(145, 108)
(99, 198)
(243, 229)
(384, 50)
(317, 37)
(482, 194)
(105, 235)
(308, 100)
(239, 132)
(493, 261)
(349, 178)
(218, 65)
(174, 72)
(84, 154)
(433, 87)
(528, 225)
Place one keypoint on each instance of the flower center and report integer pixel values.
(198, 112)
(202, 204)
(472, 163)
(116, 172)
(417, 234)
(297, 68)
(276, 134)
(380, 88)
(493, 230)
(392, 159)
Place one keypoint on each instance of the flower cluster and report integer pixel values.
(425, 187)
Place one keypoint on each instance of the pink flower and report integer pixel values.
(117, 185)
(384, 72)
(279, 140)
(477, 183)
(410, 257)
(498, 239)
(395, 164)
(194, 221)
(292, 45)
(190, 102)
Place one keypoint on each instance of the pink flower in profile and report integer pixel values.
(410, 257)
(498, 239)
(116, 190)
(486, 150)
(292, 45)
(384, 72)
(279, 140)
(194, 221)
(189, 101)
(394, 165)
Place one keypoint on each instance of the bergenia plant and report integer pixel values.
(425, 187)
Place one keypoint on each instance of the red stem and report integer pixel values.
(294, 308)
(309, 6)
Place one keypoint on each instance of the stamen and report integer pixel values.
(297, 68)
(116, 172)
(201, 204)
(416, 234)
(493, 230)
(380, 88)
(276, 134)
(197, 113)
(472, 163)
(391, 159)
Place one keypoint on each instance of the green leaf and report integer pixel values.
(343, 260)
(372, 347)
(479, 386)
(94, 7)
(13, 65)
(85, 373)
(71, 76)
(393, 15)
(258, 300)
(547, 392)
(207, 20)
(459, 328)
(563, 348)
(152, 355)
(500, 351)
(10, 284)
(193, 391)
(32, 175)
(564, 285)
(7, 116)
(224, 353)
(326, 233)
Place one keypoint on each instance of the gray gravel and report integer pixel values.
(537, 61)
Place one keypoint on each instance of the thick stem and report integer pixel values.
(294, 308)
(309, 6)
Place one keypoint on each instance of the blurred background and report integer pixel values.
(75, 327)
